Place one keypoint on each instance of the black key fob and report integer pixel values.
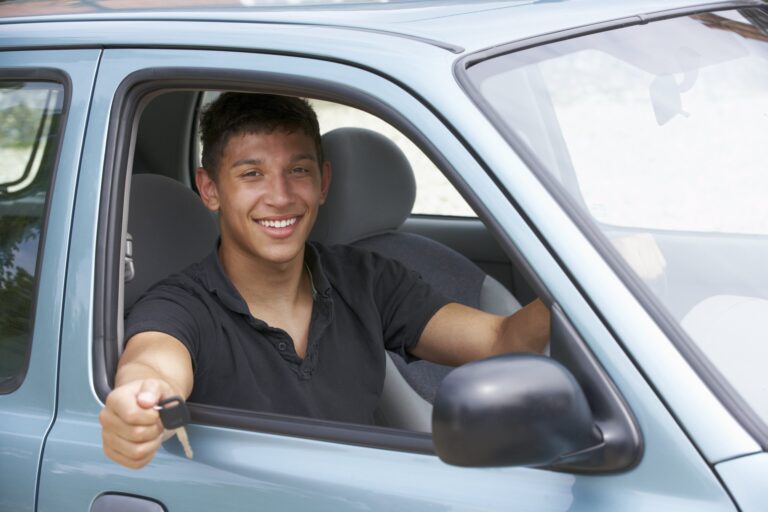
(173, 412)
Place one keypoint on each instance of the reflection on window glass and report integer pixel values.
(29, 130)
(659, 126)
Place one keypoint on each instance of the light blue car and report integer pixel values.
(607, 157)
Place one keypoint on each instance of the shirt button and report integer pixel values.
(305, 371)
(282, 346)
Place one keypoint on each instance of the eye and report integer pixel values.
(250, 173)
(299, 170)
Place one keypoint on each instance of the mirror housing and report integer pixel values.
(512, 410)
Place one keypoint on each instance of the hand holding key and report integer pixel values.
(174, 414)
(131, 427)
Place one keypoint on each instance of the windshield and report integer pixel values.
(658, 131)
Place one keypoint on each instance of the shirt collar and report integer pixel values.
(320, 284)
(218, 283)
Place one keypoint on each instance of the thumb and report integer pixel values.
(149, 393)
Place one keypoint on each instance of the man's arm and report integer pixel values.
(154, 366)
(458, 334)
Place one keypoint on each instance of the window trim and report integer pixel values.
(62, 79)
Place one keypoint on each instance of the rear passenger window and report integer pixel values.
(30, 114)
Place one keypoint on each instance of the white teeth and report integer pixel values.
(278, 223)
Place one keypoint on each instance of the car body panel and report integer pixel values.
(746, 480)
(27, 413)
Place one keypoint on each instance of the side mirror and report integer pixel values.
(512, 410)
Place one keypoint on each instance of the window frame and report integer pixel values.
(132, 95)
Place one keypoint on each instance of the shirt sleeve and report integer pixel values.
(406, 303)
(170, 308)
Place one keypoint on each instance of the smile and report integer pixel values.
(283, 223)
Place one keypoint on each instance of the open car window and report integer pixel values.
(432, 191)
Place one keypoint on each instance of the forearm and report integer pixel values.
(156, 356)
(132, 371)
(458, 334)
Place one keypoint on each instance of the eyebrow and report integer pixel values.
(303, 156)
(248, 161)
(258, 161)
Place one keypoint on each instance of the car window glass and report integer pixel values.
(29, 130)
(640, 120)
(658, 131)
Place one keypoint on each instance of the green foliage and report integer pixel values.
(18, 126)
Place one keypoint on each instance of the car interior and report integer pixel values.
(369, 205)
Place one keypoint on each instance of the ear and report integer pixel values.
(325, 181)
(209, 193)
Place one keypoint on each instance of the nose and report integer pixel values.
(279, 193)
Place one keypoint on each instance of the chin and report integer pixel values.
(281, 256)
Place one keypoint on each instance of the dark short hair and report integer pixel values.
(236, 113)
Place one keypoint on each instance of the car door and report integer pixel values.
(247, 460)
(44, 98)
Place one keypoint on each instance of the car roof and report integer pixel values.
(457, 26)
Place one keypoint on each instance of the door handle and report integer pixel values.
(112, 502)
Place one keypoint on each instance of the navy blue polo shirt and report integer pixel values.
(362, 304)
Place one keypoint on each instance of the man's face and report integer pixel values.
(268, 191)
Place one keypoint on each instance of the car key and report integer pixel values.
(174, 414)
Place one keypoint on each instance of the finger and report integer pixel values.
(125, 461)
(128, 453)
(123, 403)
(150, 393)
(112, 423)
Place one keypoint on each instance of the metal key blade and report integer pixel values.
(174, 415)
(181, 433)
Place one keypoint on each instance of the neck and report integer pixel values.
(266, 285)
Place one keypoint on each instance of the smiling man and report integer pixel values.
(270, 322)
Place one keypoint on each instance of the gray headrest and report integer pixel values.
(372, 186)
(171, 229)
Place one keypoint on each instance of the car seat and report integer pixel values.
(169, 228)
(372, 192)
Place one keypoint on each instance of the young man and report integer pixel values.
(269, 322)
